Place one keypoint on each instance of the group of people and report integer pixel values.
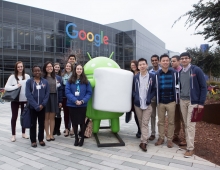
(46, 92)
(172, 91)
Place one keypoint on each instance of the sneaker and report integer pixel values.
(71, 132)
(189, 153)
(13, 139)
(25, 136)
(152, 137)
(169, 144)
(159, 142)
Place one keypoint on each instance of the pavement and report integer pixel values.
(62, 154)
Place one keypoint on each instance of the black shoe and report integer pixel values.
(76, 143)
(52, 139)
(81, 141)
(138, 135)
(48, 140)
(58, 133)
(42, 143)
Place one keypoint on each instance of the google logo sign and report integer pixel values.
(98, 38)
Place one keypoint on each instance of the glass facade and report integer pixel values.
(34, 36)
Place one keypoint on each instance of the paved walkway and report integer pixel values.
(61, 154)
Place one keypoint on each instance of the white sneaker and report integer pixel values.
(13, 139)
(25, 136)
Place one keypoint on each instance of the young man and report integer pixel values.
(192, 95)
(166, 80)
(72, 59)
(143, 91)
(156, 67)
(175, 62)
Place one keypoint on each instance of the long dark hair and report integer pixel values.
(16, 70)
(59, 72)
(83, 79)
(45, 72)
(136, 64)
(64, 71)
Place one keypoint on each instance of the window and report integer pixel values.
(1, 38)
(49, 23)
(7, 37)
(49, 42)
(36, 21)
(9, 16)
(23, 18)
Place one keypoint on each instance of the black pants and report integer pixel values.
(14, 110)
(41, 117)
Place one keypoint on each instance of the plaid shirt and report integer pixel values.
(166, 88)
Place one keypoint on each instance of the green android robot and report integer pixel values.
(98, 115)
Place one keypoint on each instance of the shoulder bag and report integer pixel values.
(12, 95)
(25, 118)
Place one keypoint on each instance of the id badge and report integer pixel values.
(76, 93)
(58, 84)
(38, 87)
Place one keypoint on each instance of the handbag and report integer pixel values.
(25, 118)
(12, 95)
(88, 131)
(128, 116)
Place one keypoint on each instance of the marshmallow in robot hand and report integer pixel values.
(113, 90)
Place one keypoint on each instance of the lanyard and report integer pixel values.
(77, 85)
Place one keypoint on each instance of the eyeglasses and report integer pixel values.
(186, 58)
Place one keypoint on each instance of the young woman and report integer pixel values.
(16, 80)
(57, 69)
(135, 70)
(58, 118)
(65, 77)
(78, 93)
(54, 101)
(37, 92)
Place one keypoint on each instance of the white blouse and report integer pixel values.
(12, 85)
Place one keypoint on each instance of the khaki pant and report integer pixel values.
(178, 121)
(153, 116)
(170, 109)
(143, 119)
(186, 109)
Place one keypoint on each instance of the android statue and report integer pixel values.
(112, 88)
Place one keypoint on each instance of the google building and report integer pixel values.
(34, 36)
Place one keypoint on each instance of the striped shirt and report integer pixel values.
(166, 87)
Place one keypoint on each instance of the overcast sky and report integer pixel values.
(157, 16)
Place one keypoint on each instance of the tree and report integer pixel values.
(208, 61)
(206, 14)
